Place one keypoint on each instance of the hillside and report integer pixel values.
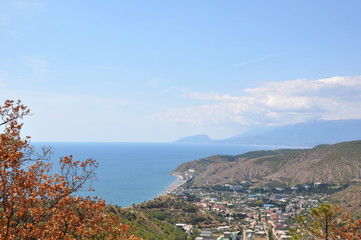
(308, 134)
(156, 219)
(349, 199)
(338, 163)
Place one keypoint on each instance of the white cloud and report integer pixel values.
(275, 103)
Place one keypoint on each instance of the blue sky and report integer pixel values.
(160, 70)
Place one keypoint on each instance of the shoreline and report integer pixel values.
(174, 185)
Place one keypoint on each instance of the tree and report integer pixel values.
(350, 229)
(327, 222)
(35, 204)
(270, 232)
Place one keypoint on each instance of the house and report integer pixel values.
(259, 227)
(249, 234)
(284, 237)
(260, 234)
(185, 227)
(188, 229)
(273, 216)
(180, 225)
(223, 228)
(227, 236)
(278, 211)
(206, 235)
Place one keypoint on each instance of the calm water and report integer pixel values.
(136, 172)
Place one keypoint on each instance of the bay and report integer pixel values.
(130, 173)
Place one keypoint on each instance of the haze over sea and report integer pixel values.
(136, 172)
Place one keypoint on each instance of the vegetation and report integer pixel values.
(149, 226)
(348, 198)
(336, 164)
(270, 232)
(258, 154)
(157, 218)
(327, 222)
(37, 205)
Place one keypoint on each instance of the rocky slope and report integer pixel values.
(349, 199)
(338, 163)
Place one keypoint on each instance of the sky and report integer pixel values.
(156, 71)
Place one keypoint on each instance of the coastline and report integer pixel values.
(174, 185)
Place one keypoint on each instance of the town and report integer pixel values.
(253, 213)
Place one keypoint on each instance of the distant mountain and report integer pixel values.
(195, 139)
(339, 163)
(301, 134)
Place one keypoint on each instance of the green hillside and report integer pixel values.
(157, 219)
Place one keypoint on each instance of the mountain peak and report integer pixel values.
(309, 133)
(201, 138)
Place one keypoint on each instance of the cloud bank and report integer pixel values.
(275, 103)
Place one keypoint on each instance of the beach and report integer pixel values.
(176, 184)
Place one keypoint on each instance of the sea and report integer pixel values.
(131, 173)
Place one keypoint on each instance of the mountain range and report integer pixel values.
(338, 163)
(301, 134)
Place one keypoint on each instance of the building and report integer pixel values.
(206, 235)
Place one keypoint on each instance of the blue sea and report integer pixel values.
(136, 172)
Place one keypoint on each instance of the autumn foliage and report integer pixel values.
(328, 222)
(35, 204)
